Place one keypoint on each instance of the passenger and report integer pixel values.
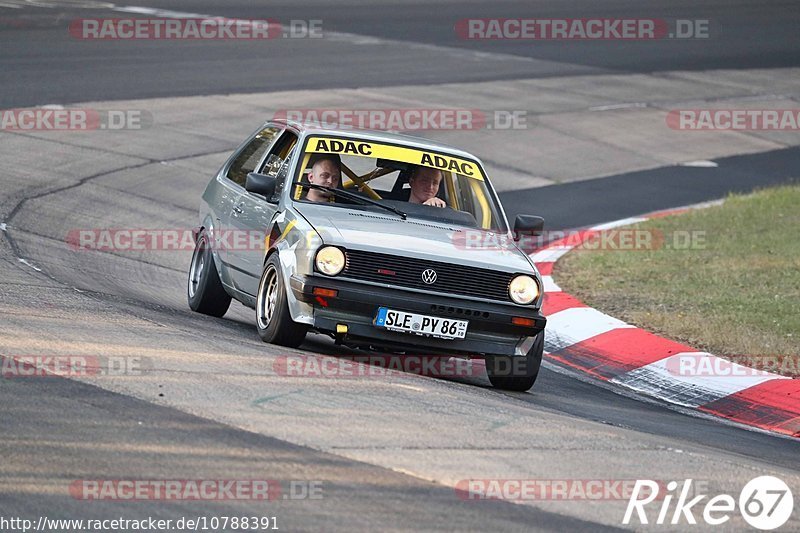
(326, 170)
(425, 183)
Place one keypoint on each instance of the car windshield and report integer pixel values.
(423, 184)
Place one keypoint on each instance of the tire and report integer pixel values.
(204, 289)
(274, 323)
(503, 374)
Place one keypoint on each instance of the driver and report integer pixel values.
(424, 182)
(326, 170)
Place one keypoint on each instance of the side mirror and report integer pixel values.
(530, 224)
(261, 184)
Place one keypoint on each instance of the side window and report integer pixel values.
(282, 174)
(277, 161)
(249, 157)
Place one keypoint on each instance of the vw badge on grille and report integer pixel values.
(429, 276)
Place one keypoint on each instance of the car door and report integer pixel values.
(231, 182)
(251, 218)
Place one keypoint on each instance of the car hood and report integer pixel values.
(435, 241)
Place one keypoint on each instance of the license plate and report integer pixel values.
(431, 326)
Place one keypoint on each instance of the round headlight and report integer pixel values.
(523, 290)
(330, 260)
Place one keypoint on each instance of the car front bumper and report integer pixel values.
(356, 304)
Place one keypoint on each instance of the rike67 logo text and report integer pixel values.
(765, 503)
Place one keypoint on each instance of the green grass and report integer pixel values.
(735, 293)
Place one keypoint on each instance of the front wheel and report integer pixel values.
(516, 373)
(274, 323)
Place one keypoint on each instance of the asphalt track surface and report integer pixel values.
(56, 430)
(43, 64)
(592, 202)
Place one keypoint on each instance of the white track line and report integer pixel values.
(577, 324)
(550, 255)
(550, 285)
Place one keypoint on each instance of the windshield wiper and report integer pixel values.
(351, 196)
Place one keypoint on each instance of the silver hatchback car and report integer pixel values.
(381, 241)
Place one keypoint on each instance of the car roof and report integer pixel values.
(311, 128)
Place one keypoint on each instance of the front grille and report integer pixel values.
(407, 272)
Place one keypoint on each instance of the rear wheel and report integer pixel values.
(516, 373)
(204, 290)
(274, 323)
